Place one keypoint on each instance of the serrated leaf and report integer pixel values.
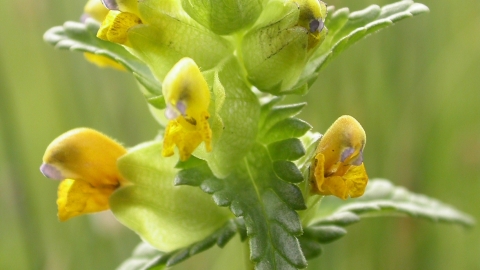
(289, 149)
(142, 258)
(382, 198)
(76, 36)
(275, 114)
(147, 257)
(347, 28)
(310, 247)
(267, 205)
(287, 128)
(268, 103)
(287, 171)
(324, 234)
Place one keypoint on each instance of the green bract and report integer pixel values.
(166, 216)
(224, 17)
(261, 154)
(277, 48)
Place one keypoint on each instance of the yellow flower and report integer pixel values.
(86, 162)
(115, 26)
(96, 10)
(187, 97)
(337, 168)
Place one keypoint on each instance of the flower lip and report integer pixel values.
(347, 156)
(110, 4)
(316, 25)
(174, 111)
(51, 172)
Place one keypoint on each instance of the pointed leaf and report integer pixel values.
(278, 113)
(285, 129)
(382, 198)
(267, 204)
(82, 37)
(287, 171)
(142, 258)
(147, 257)
(289, 149)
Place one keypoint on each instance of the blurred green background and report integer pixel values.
(414, 87)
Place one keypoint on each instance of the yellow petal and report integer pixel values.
(84, 154)
(116, 25)
(356, 179)
(186, 139)
(187, 97)
(79, 197)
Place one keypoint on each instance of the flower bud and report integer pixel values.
(224, 17)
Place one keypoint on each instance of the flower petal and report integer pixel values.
(187, 96)
(79, 197)
(356, 179)
(84, 154)
(116, 25)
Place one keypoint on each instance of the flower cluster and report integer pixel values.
(210, 60)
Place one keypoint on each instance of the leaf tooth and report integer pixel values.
(178, 257)
(237, 208)
(222, 198)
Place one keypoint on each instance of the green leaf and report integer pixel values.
(275, 114)
(287, 128)
(142, 257)
(147, 257)
(289, 149)
(166, 216)
(267, 204)
(324, 234)
(82, 37)
(287, 171)
(345, 29)
(382, 198)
